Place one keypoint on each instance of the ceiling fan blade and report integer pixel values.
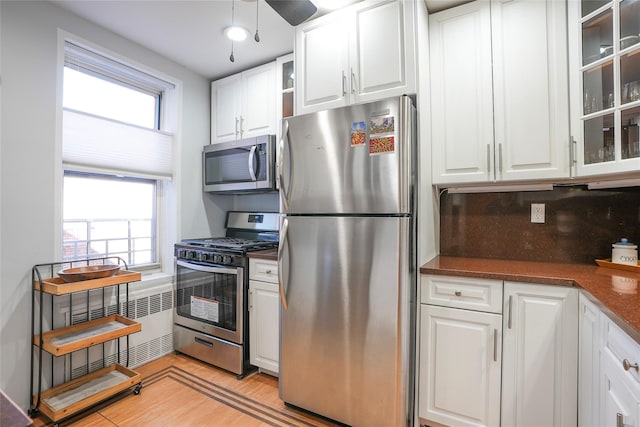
(293, 11)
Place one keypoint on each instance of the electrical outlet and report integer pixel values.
(537, 213)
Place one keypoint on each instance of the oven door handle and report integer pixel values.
(207, 269)
(283, 243)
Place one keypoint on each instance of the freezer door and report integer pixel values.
(347, 302)
(350, 160)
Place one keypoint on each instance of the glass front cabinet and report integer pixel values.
(605, 99)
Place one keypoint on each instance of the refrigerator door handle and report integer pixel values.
(284, 196)
(283, 243)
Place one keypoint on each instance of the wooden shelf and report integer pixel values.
(78, 394)
(62, 341)
(57, 286)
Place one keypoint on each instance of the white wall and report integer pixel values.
(30, 174)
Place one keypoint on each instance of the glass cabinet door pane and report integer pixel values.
(598, 88)
(630, 76)
(287, 75)
(599, 135)
(589, 6)
(630, 141)
(287, 104)
(629, 23)
(597, 37)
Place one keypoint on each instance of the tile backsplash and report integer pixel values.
(580, 224)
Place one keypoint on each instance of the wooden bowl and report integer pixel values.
(87, 272)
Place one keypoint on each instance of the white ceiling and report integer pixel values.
(190, 32)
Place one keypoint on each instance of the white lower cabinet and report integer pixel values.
(616, 391)
(460, 351)
(540, 355)
(264, 315)
(620, 395)
(514, 365)
(588, 363)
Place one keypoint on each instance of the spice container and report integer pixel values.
(624, 252)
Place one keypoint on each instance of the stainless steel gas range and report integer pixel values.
(212, 282)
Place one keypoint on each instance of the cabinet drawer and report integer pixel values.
(263, 270)
(460, 292)
(621, 347)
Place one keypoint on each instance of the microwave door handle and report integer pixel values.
(252, 156)
(284, 194)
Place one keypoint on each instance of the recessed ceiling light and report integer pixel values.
(235, 33)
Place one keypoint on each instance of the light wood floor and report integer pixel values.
(180, 391)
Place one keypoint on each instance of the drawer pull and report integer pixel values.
(458, 293)
(268, 272)
(628, 365)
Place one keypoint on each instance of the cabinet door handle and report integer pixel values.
(500, 159)
(237, 121)
(628, 365)
(344, 84)
(353, 82)
(241, 126)
(510, 310)
(573, 144)
(489, 160)
(495, 345)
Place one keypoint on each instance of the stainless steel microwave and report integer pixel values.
(243, 166)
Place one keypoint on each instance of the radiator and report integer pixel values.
(152, 307)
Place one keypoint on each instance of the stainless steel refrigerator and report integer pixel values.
(347, 262)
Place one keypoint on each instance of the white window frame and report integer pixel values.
(166, 189)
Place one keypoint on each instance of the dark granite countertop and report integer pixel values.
(270, 254)
(614, 291)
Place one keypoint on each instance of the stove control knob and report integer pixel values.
(226, 260)
(182, 253)
(217, 259)
(193, 254)
(204, 257)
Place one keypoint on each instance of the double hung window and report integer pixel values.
(117, 157)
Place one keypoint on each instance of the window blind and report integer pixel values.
(88, 61)
(98, 143)
(95, 142)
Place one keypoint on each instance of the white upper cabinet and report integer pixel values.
(461, 94)
(244, 105)
(499, 92)
(358, 54)
(605, 78)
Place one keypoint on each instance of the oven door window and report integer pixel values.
(210, 295)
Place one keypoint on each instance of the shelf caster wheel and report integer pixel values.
(137, 390)
(33, 412)
(56, 425)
